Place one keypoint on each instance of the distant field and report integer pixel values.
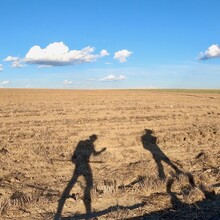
(161, 161)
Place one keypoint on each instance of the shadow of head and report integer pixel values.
(93, 138)
(148, 131)
(148, 137)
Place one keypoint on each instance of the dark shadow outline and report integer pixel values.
(150, 143)
(80, 157)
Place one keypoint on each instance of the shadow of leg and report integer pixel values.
(160, 169)
(168, 162)
(191, 179)
(64, 196)
(87, 193)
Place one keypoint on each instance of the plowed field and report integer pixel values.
(140, 154)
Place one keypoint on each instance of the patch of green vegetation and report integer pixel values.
(203, 91)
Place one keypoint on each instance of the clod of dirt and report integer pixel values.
(4, 151)
(201, 154)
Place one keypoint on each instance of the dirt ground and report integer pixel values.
(111, 154)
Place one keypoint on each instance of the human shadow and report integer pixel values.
(81, 159)
(149, 142)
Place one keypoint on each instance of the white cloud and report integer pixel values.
(111, 78)
(122, 55)
(1, 67)
(104, 53)
(4, 82)
(11, 58)
(16, 62)
(67, 82)
(58, 54)
(212, 52)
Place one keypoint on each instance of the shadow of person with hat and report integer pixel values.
(149, 142)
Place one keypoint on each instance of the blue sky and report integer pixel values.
(109, 44)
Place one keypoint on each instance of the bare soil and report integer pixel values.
(162, 156)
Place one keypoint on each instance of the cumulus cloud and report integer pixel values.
(1, 67)
(16, 62)
(11, 59)
(57, 54)
(4, 82)
(104, 53)
(67, 82)
(111, 78)
(122, 55)
(212, 52)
